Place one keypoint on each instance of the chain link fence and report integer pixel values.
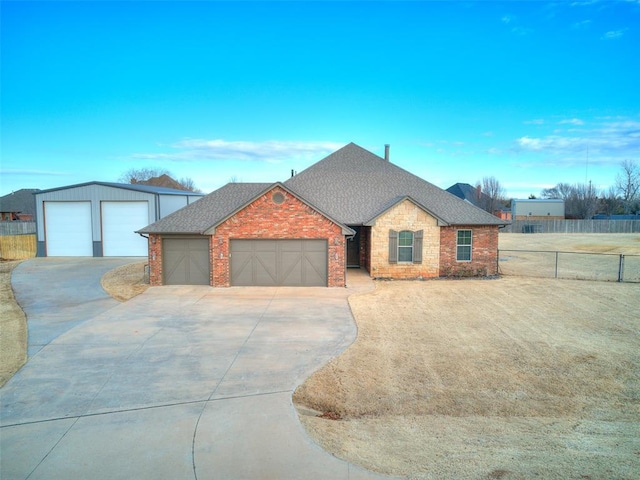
(607, 267)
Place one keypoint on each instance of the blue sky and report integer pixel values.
(532, 93)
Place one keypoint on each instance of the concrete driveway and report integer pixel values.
(177, 383)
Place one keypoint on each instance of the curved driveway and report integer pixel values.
(177, 383)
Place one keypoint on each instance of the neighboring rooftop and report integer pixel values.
(21, 201)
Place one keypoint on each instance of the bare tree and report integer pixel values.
(560, 191)
(159, 177)
(580, 200)
(491, 195)
(584, 201)
(610, 203)
(137, 175)
(628, 184)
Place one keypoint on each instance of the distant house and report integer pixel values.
(350, 209)
(100, 219)
(537, 209)
(477, 197)
(18, 206)
(163, 180)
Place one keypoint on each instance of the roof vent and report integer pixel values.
(386, 152)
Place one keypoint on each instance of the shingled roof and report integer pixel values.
(219, 205)
(351, 187)
(355, 186)
(210, 210)
(21, 201)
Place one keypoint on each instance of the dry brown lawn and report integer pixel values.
(13, 327)
(125, 282)
(581, 267)
(509, 378)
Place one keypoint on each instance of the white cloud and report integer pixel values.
(272, 151)
(607, 142)
(35, 173)
(614, 34)
(571, 121)
(582, 25)
(537, 121)
(507, 18)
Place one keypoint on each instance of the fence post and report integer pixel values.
(556, 276)
(621, 268)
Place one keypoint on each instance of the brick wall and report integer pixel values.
(484, 253)
(264, 219)
(405, 216)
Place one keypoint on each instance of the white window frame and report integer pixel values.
(465, 245)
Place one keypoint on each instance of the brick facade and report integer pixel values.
(484, 251)
(404, 216)
(265, 219)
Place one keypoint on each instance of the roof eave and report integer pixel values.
(345, 229)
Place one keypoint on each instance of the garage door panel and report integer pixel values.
(120, 220)
(279, 262)
(68, 229)
(186, 261)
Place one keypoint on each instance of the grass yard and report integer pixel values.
(579, 265)
(509, 378)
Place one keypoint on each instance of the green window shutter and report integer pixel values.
(393, 246)
(417, 246)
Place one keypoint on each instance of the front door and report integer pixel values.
(353, 249)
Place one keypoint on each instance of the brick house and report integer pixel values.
(351, 209)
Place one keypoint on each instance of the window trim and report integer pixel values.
(406, 247)
(416, 247)
(469, 245)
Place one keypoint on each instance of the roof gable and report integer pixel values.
(397, 201)
(354, 186)
(205, 215)
(209, 211)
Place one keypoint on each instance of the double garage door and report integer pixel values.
(69, 228)
(253, 262)
(279, 263)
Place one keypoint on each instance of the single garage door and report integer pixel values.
(185, 261)
(120, 220)
(279, 263)
(67, 227)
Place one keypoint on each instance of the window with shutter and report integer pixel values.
(417, 246)
(393, 246)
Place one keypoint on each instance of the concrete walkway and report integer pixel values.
(177, 383)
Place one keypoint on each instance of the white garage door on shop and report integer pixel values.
(120, 220)
(68, 229)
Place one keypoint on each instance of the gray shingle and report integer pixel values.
(354, 186)
(20, 201)
(209, 210)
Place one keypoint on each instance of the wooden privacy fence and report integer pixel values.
(573, 226)
(17, 228)
(608, 267)
(17, 247)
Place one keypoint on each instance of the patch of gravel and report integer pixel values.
(13, 326)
